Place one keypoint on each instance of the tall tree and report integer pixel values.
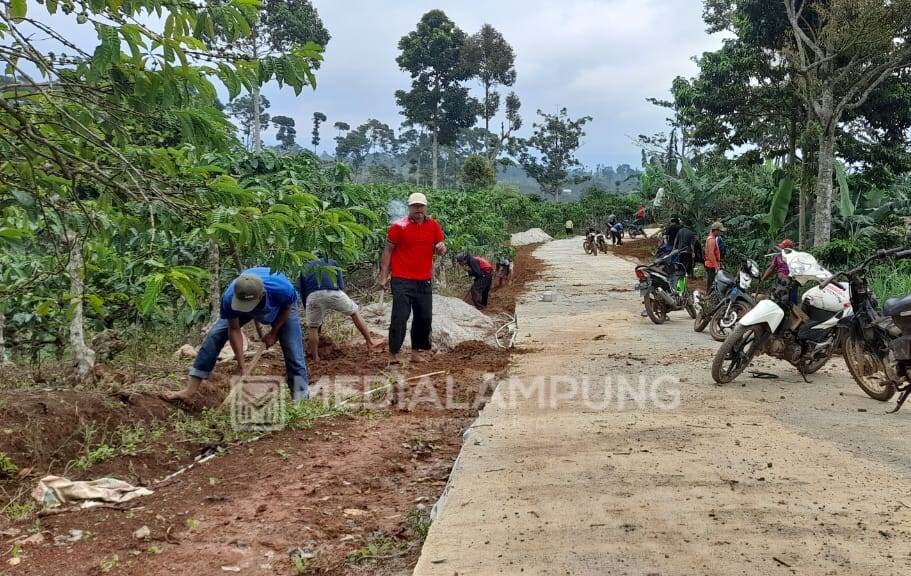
(494, 59)
(318, 118)
(508, 128)
(549, 155)
(287, 134)
(434, 55)
(281, 27)
(842, 50)
(245, 110)
(342, 127)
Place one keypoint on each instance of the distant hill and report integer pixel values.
(624, 179)
(605, 177)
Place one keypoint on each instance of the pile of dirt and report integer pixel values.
(641, 250)
(527, 269)
(533, 236)
(454, 322)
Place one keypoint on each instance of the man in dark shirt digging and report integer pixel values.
(482, 272)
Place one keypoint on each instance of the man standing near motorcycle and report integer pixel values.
(686, 242)
(779, 268)
(713, 254)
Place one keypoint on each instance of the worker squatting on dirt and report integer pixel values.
(322, 287)
(269, 298)
(482, 272)
(410, 245)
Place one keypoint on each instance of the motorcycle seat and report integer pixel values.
(724, 278)
(898, 307)
(887, 325)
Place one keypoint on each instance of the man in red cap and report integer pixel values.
(410, 246)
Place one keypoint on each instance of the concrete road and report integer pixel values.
(584, 463)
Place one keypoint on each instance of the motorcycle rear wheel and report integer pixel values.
(655, 307)
(702, 318)
(736, 353)
(867, 370)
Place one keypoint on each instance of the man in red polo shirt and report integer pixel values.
(410, 246)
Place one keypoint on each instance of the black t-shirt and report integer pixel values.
(671, 232)
(686, 238)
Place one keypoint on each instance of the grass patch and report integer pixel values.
(419, 523)
(7, 466)
(18, 511)
(111, 563)
(892, 280)
(379, 547)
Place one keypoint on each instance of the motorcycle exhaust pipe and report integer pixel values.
(668, 299)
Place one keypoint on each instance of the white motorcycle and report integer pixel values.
(805, 335)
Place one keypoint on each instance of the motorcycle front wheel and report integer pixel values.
(736, 353)
(655, 307)
(724, 320)
(587, 246)
(867, 370)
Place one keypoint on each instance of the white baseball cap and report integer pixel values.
(417, 198)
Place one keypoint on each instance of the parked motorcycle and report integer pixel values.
(601, 241)
(633, 230)
(877, 345)
(590, 244)
(663, 287)
(805, 334)
(735, 300)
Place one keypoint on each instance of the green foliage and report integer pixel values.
(844, 252)
(781, 203)
(549, 155)
(891, 280)
(19, 511)
(478, 174)
(379, 547)
(7, 466)
(419, 523)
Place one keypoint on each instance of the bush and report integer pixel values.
(478, 174)
(844, 253)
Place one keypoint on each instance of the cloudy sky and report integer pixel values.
(600, 58)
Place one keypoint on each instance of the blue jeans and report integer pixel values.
(292, 343)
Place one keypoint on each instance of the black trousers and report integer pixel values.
(480, 290)
(411, 296)
(710, 274)
(688, 263)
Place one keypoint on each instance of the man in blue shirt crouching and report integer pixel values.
(270, 298)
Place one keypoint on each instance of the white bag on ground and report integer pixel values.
(53, 491)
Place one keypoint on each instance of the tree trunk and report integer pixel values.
(83, 356)
(436, 157)
(486, 120)
(823, 225)
(214, 280)
(257, 128)
(4, 355)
